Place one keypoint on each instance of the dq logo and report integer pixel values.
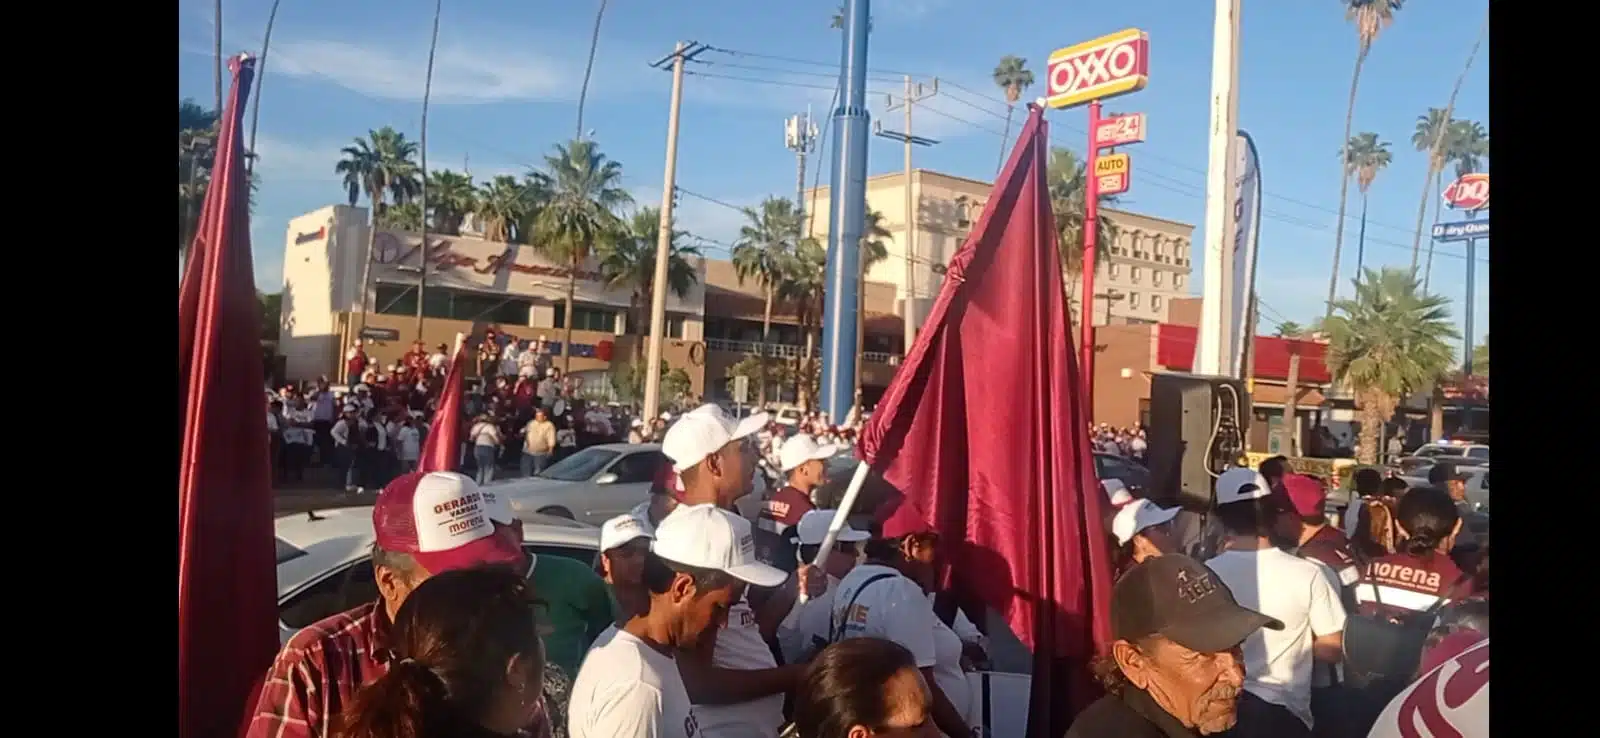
(1095, 70)
(1470, 192)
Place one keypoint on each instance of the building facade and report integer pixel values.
(1142, 269)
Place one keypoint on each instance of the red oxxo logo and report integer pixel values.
(1470, 192)
(1108, 66)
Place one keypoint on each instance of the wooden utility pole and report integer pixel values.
(1291, 420)
(914, 93)
(658, 296)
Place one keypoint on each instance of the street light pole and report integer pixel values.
(847, 204)
(422, 146)
(261, 73)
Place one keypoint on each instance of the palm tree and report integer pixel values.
(1480, 357)
(379, 165)
(588, 69)
(1012, 76)
(196, 125)
(1068, 183)
(1364, 157)
(580, 213)
(451, 198)
(801, 286)
(1430, 136)
(873, 249)
(772, 232)
(1371, 17)
(1440, 129)
(1290, 329)
(1390, 340)
(503, 206)
(629, 263)
(403, 217)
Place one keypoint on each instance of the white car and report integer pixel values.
(325, 559)
(593, 485)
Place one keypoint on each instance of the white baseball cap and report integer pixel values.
(708, 537)
(813, 527)
(802, 447)
(1136, 516)
(1240, 484)
(621, 529)
(703, 431)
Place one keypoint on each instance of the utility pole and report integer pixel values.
(422, 147)
(800, 136)
(685, 51)
(914, 93)
(1216, 337)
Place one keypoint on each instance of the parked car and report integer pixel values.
(325, 559)
(1129, 472)
(1463, 454)
(591, 485)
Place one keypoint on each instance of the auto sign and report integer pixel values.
(1470, 192)
(1108, 66)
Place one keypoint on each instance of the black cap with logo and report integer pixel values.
(1179, 598)
(1446, 472)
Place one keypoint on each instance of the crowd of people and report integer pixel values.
(1126, 442)
(707, 617)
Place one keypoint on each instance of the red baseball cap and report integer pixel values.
(441, 519)
(1306, 494)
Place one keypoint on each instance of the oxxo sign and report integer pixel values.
(1470, 192)
(1108, 66)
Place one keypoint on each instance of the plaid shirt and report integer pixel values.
(318, 673)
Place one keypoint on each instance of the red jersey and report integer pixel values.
(1402, 584)
(522, 394)
(1329, 546)
(784, 509)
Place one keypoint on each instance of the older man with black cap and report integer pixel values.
(1174, 668)
(734, 679)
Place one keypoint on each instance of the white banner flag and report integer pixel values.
(1247, 232)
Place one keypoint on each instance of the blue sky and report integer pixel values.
(507, 75)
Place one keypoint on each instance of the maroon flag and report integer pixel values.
(983, 428)
(442, 450)
(227, 576)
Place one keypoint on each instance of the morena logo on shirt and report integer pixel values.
(1408, 575)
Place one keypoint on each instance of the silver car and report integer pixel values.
(590, 486)
(325, 559)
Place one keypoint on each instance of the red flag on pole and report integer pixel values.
(983, 428)
(227, 576)
(442, 450)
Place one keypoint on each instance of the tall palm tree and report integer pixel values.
(1289, 329)
(195, 125)
(764, 242)
(1364, 157)
(451, 198)
(502, 207)
(629, 263)
(1480, 357)
(383, 164)
(588, 69)
(1371, 17)
(1440, 128)
(579, 214)
(1012, 76)
(801, 286)
(1431, 136)
(873, 233)
(1390, 340)
(1069, 189)
(406, 216)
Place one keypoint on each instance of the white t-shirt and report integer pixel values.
(1277, 664)
(740, 646)
(896, 609)
(410, 442)
(626, 689)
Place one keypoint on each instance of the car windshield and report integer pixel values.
(1430, 451)
(579, 467)
(287, 552)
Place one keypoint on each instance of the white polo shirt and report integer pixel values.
(895, 608)
(626, 689)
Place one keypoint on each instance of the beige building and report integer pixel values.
(1147, 265)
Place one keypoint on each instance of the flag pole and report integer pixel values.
(846, 505)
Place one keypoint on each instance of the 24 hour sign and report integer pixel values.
(1111, 65)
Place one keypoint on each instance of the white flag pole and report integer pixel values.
(841, 515)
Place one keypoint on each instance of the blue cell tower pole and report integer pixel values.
(847, 205)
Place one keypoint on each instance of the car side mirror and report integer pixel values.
(606, 478)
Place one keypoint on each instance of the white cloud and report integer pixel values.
(461, 75)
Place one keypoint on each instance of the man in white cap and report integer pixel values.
(631, 686)
(624, 543)
(805, 631)
(425, 524)
(800, 460)
(734, 680)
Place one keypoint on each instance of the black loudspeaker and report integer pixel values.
(1197, 429)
